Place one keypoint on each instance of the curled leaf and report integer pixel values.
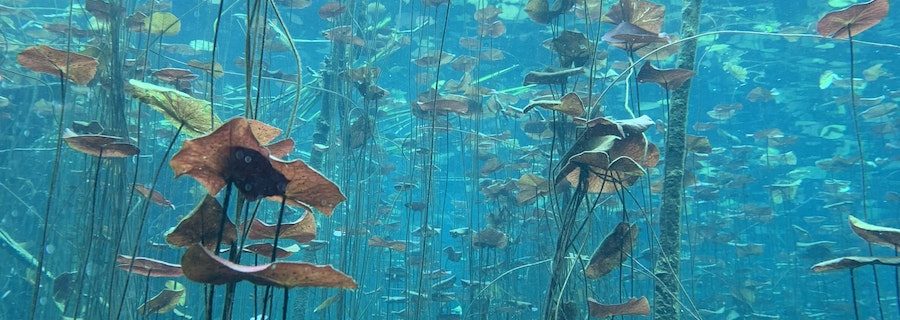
(149, 267)
(875, 234)
(202, 225)
(612, 251)
(100, 145)
(202, 266)
(854, 262)
(633, 307)
(177, 107)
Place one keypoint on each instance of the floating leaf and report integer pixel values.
(202, 225)
(164, 23)
(156, 197)
(78, 68)
(490, 237)
(233, 153)
(854, 262)
(149, 267)
(612, 251)
(850, 21)
(643, 14)
(667, 78)
(165, 301)
(97, 145)
(634, 307)
(875, 234)
(570, 104)
(396, 245)
(176, 106)
(202, 266)
(303, 230)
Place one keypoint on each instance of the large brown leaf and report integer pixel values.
(852, 20)
(234, 153)
(149, 267)
(634, 307)
(165, 301)
(644, 14)
(612, 251)
(669, 79)
(303, 230)
(80, 68)
(202, 225)
(98, 144)
(202, 266)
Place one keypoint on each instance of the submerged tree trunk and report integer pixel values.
(667, 288)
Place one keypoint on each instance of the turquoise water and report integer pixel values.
(447, 159)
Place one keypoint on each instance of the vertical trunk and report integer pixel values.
(667, 289)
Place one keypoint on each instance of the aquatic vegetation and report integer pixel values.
(78, 68)
(201, 265)
(448, 159)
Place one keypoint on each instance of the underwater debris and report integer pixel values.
(200, 265)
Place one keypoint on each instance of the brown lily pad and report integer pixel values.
(634, 307)
(854, 262)
(551, 76)
(265, 250)
(614, 154)
(490, 237)
(573, 47)
(667, 78)
(233, 153)
(177, 107)
(202, 266)
(852, 20)
(202, 225)
(875, 234)
(380, 242)
(570, 104)
(155, 197)
(165, 301)
(643, 14)
(612, 251)
(303, 230)
(149, 267)
(97, 145)
(76, 67)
